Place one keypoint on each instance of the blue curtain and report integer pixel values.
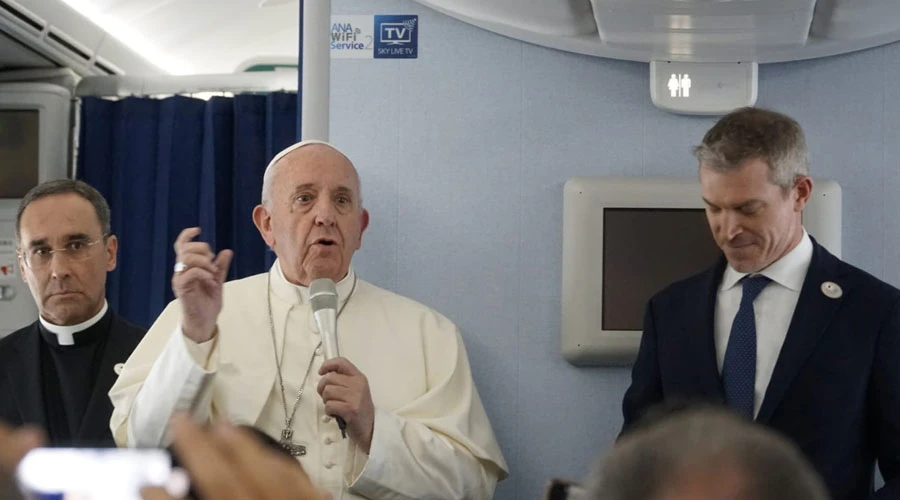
(167, 164)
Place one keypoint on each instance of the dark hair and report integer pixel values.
(756, 133)
(65, 186)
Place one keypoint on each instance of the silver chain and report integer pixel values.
(288, 419)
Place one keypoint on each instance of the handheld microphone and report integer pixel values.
(323, 300)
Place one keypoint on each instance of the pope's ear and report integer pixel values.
(262, 219)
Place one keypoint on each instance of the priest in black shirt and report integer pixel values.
(56, 372)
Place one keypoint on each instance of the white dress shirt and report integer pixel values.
(773, 310)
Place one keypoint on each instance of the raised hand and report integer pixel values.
(197, 281)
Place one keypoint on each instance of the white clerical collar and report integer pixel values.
(65, 335)
(298, 294)
(789, 271)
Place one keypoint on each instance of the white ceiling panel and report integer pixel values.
(209, 36)
(64, 37)
(703, 27)
(18, 56)
(130, 10)
(219, 36)
(855, 19)
(710, 30)
(549, 17)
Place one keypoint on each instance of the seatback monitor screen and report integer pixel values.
(646, 249)
(19, 151)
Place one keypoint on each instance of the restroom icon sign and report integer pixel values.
(680, 85)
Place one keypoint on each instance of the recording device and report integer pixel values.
(98, 473)
(323, 299)
(564, 489)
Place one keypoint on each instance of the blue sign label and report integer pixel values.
(396, 37)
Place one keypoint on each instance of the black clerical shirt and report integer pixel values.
(68, 375)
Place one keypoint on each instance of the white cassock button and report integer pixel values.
(832, 290)
(118, 367)
(329, 465)
(328, 440)
(319, 351)
(326, 419)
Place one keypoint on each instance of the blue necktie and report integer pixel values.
(739, 367)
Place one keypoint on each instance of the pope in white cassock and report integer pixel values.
(249, 352)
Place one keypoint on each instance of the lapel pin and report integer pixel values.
(832, 290)
(118, 367)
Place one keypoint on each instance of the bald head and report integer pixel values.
(299, 153)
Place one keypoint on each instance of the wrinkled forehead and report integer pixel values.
(314, 162)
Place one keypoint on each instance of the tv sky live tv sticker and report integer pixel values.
(396, 37)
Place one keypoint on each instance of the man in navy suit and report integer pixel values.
(779, 329)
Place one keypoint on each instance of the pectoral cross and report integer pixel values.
(297, 450)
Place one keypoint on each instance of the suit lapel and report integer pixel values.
(24, 370)
(811, 318)
(700, 331)
(95, 423)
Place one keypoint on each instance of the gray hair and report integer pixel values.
(66, 186)
(647, 462)
(268, 176)
(756, 133)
